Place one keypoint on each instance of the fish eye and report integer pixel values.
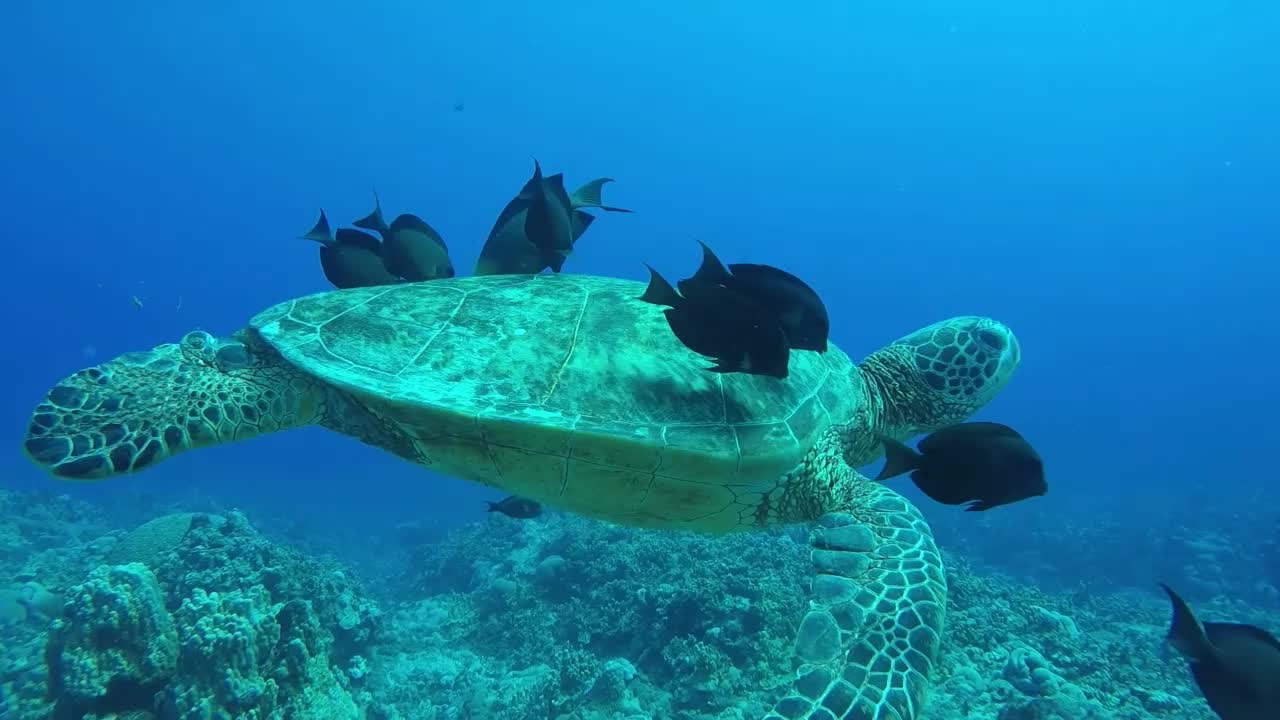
(991, 339)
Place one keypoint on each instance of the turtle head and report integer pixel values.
(141, 407)
(941, 374)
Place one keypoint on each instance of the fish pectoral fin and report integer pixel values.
(898, 458)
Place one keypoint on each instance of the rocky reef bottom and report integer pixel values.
(210, 615)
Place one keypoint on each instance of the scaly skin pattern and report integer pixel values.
(140, 408)
(937, 376)
(869, 642)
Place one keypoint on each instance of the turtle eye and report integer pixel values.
(196, 340)
(991, 340)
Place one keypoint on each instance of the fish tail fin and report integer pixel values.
(660, 291)
(589, 195)
(320, 232)
(711, 270)
(1186, 634)
(374, 220)
(898, 458)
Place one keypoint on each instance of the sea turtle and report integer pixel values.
(568, 390)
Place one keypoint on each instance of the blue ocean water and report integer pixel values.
(1100, 176)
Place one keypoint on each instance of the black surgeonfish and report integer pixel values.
(351, 259)
(722, 324)
(516, 507)
(984, 464)
(529, 235)
(801, 312)
(412, 249)
(1237, 667)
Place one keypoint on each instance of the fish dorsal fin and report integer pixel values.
(320, 232)
(711, 270)
(1216, 631)
(374, 220)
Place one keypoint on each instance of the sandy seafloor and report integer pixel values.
(199, 611)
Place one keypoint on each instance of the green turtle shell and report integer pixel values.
(566, 389)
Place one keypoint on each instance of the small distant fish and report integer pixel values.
(800, 311)
(412, 249)
(350, 259)
(516, 507)
(1237, 667)
(459, 107)
(137, 302)
(724, 325)
(984, 464)
(524, 243)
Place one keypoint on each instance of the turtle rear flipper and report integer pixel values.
(142, 407)
(884, 557)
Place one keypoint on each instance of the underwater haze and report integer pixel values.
(1099, 176)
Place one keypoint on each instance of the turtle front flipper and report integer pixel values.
(131, 412)
(871, 637)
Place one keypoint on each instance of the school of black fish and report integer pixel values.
(535, 231)
(748, 318)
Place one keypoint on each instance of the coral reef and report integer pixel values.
(190, 616)
(208, 620)
(114, 646)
